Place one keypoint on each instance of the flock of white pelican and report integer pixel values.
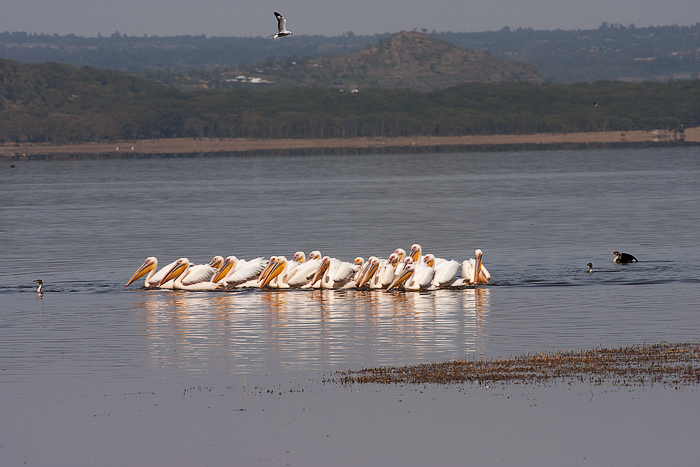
(400, 271)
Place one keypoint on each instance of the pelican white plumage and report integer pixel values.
(301, 275)
(149, 267)
(446, 274)
(386, 272)
(405, 274)
(281, 27)
(198, 276)
(473, 271)
(422, 276)
(239, 273)
(336, 274)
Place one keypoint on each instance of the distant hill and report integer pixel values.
(409, 60)
(610, 52)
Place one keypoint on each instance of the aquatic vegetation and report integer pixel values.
(669, 364)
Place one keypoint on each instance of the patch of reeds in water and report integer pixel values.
(670, 364)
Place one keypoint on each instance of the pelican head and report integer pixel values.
(178, 268)
(369, 269)
(216, 262)
(322, 268)
(404, 276)
(270, 264)
(299, 257)
(415, 253)
(360, 261)
(401, 253)
(273, 269)
(229, 265)
(393, 259)
(314, 255)
(429, 260)
(148, 265)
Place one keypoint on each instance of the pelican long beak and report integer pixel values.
(369, 270)
(322, 268)
(477, 268)
(216, 262)
(223, 272)
(273, 272)
(415, 254)
(145, 268)
(403, 277)
(174, 272)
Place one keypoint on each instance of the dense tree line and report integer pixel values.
(60, 103)
(610, 52)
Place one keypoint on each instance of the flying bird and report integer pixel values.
(281, 27)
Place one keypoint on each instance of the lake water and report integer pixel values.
(93, 373)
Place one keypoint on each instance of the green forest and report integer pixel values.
(60, 103)
(610, 52)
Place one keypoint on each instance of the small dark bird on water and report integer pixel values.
(41, 285)
(623, 258)
(590, 267)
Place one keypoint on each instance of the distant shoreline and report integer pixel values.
(175, 146)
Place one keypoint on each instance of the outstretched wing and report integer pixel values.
(281, 22)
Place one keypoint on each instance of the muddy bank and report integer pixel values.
(180, 146)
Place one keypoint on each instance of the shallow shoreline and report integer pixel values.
(213, 146)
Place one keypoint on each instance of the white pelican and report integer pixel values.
(367, 271)
(239, 273)
(473, 271)
(416, 253)
(41, 285)
(153, 278)
(422, 276)
(415, 276)
(336, 274)
(404, 275)
(301, 275)
(446, 274)
(281, 27)
(386, 272)
(274, 272)
(197, 276)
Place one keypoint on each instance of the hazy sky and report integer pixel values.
(330, 17)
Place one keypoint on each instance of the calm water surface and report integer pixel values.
(93, 373)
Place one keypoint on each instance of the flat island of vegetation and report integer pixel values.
(674, 365)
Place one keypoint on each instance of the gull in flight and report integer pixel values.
(281, 27)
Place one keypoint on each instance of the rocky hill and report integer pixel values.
(408, 59)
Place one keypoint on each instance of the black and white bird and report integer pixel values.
(41, 286)
(623, 258)
(281, 27)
